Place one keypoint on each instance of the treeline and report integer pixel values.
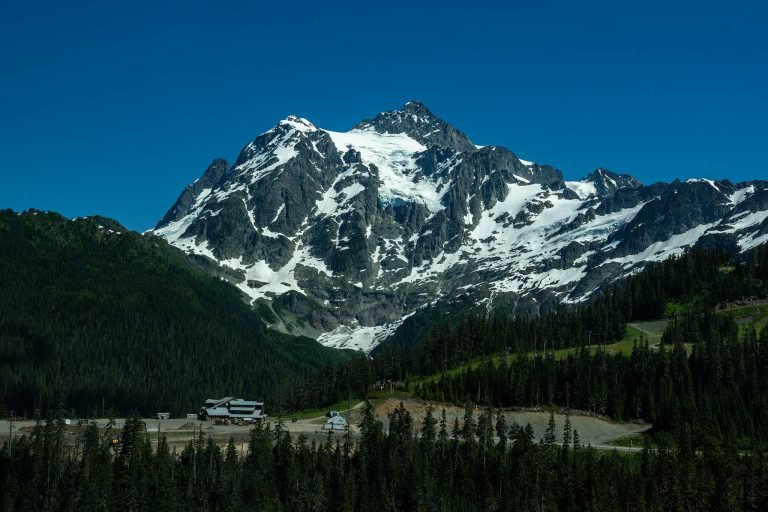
(480, 464)
(97, 317)
(337, 382)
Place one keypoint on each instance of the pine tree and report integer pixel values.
(442, 436)
(456, 431)
(501, 430)
(567, 431)
(469, 427)
(428, 425)
(549, 434)
(485, 428)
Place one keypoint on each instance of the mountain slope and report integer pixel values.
(344, 234)
(92, 312)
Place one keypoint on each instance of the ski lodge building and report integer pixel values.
(232, 408)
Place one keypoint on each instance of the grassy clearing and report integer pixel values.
(624, 346)
(652, 329)
(755, 315)
(310, 414)
(675, 308)
(345, 406)
(385, 393)
(621, 347)
(632, 441)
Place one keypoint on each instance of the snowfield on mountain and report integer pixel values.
(342, 235)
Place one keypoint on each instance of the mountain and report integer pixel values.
(344, 234)
(94, 315)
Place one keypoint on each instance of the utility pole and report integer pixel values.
(11, 419)
(391, 385)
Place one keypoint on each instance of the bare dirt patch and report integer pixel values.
(592, 429)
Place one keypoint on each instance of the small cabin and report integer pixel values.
(163, 415)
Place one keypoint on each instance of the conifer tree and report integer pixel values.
(567, 431)
(501, 429)
(468, 428)
(549, 434)
(442, 436)
(428, 425)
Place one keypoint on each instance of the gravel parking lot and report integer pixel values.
(179, 431)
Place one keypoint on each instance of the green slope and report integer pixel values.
(94, 315)
(632, 337)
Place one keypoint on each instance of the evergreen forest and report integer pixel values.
(481, 465)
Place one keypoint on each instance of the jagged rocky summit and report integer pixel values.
(342, 235)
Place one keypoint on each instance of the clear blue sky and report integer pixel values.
(111, 108)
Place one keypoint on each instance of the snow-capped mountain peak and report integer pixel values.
(344, 234)
(418, 122)
(298, 123)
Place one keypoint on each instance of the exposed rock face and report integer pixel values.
(343, 234)
(421, 125)
(207, 181)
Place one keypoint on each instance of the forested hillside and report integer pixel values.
(94, 317)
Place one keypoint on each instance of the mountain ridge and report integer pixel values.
(348, 233)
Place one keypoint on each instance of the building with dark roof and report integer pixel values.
(232, 408)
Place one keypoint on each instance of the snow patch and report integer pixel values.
(741, 194)
(279, 211)
(658, 251)
(356, 337)
(752, 241)
(394, 155)
(520, 179)
(583, 188)
(744, 220)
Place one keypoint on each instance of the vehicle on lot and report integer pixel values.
(337, 422)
